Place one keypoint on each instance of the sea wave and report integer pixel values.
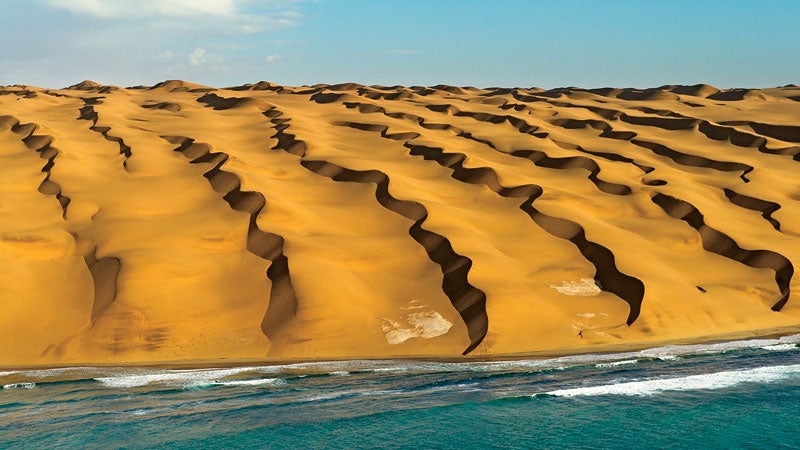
(121, 377)
(675, 351)
(781, 347)
(19, 385)
(624, 362)
(711, 381)
(250, 382)
(320, 396)
(185, 378)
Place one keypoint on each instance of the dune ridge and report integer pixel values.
(722, 244)
(537, 157)
(467, 300)
(40, 143)
(756, 204)
(675, 120)
(88, 113)
(607, 277)
(265, 245)
(391, 221)
(104, 271)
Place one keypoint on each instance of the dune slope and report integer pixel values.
(180, 222)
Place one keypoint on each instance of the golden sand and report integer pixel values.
(185, 223)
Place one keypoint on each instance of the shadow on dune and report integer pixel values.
(607, 276)
(41, 144)
(720, 243)
(89, 113)
(104, 271)
(469, 301)
(539, 158)
(766, 208)
(269, 246)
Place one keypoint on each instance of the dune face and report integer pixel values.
(180, 222)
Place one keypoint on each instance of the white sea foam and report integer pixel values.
(329, 367)
(328, 396)
(381, 392)
(253, 382)
(781, 347)
(59, 372)
(559, 363)
(19, 385)
(175, 377)
(624, 362)
(709, 381)
(674, 351)
(130, 377)
(143, 411)
(390, 369)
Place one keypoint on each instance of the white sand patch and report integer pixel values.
(430, 323)
(580, 327)
(591, 315)
(413, 304)
(426, 324)
(586, 287)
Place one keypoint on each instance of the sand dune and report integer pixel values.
(184, 223)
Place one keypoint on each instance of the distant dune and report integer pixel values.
(181, 223)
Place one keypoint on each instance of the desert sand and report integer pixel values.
(179, 222)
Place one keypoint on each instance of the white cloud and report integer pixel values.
(251, 24)
(129, 42)
(129, 8)
(201, 60)
(166, 56)
(228, 16)
(197, 56)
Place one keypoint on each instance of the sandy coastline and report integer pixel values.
(547, 354)
(180, 225)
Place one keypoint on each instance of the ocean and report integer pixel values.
(741, 394)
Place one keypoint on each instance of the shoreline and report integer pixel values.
(769, 333)
(264, 224)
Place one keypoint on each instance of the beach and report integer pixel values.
(185, 225)
(672, 396)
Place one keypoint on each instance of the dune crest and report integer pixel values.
(179, 86)
(183, 223)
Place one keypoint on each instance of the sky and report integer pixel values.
(511, 43)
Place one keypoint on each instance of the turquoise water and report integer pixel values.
(743, 394)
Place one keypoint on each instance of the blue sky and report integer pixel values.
(727, 43)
